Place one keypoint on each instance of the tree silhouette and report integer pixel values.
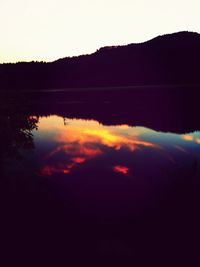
(16, 129)
(168, 59)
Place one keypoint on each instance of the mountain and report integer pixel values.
(164, 60)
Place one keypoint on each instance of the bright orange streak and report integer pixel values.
(90, 152)
(105, 135)
(121, 169)
(78, 160)
(197, 140)
(115, 140)
(191, 138)
(188, 137)
(123, 126)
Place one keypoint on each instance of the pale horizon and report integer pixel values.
(49, 30)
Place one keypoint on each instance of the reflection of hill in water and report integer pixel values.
(162, 109)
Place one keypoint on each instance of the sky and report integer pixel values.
(45, 30)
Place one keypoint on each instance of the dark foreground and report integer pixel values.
(76, 192)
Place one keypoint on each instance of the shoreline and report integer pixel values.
(108, 88)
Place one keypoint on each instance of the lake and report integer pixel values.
(102, 179)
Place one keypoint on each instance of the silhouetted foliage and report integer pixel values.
(169, 59)
(16, 129)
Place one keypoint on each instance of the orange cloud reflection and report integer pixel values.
(103, 136)
(75, 155)
(198, 140)
(188, 137)
(121, 169)
(78, 160)
(81, 141)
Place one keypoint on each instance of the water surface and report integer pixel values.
(87, 182)
(110, 171)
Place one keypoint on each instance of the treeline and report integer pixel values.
(168, 59)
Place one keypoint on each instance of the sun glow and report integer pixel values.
(51, 29)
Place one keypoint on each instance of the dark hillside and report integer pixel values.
(169, 59)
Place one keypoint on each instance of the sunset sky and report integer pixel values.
(51, 29)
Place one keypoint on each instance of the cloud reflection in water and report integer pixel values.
(82, 143)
